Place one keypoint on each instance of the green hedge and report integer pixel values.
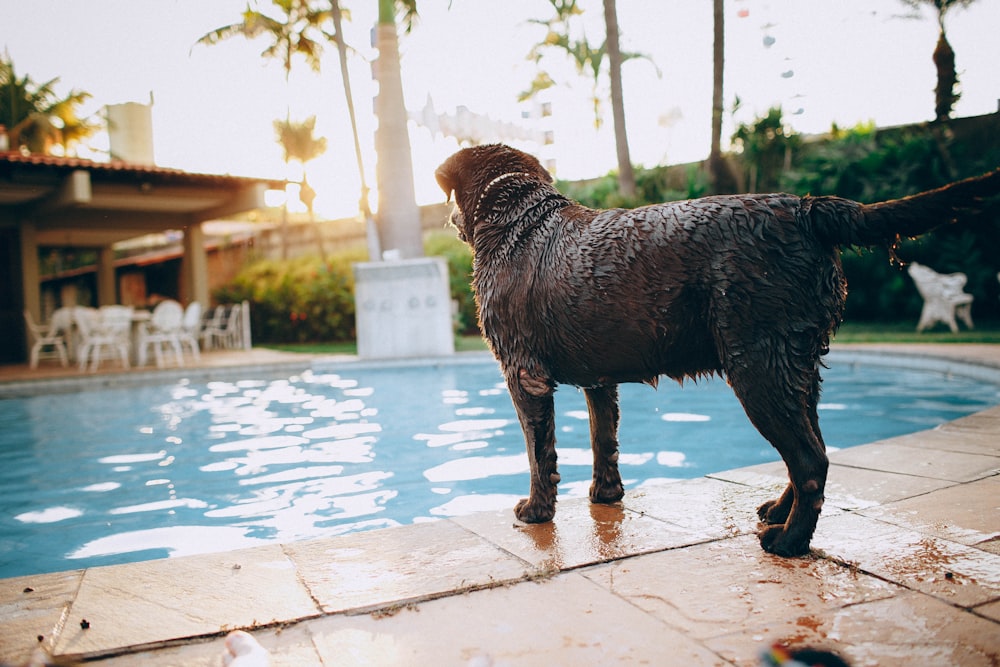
(446, 244)
(298, 301)
(872, 165)
(303, 300)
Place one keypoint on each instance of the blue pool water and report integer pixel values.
(126, 474)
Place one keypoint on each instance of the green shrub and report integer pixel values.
(869, 166)
(303, 300)
(878, 290)
(652, 186)
(445, 243)
(300, 300)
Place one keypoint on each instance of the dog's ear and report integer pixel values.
(445, 182)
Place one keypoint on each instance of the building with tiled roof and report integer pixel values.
(68, 202)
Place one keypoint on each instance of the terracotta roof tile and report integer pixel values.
(122, 168)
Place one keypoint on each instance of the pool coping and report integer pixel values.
(308, 612)
(968, 362)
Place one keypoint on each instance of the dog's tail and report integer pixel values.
(846, 223)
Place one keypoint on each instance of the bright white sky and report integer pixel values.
(851, 61)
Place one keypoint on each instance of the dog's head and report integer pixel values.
(471, 174)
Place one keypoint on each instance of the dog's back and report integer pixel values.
(669, 289)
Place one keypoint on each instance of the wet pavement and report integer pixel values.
(904, 570)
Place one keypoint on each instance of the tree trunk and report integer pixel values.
(374, 251)
(307, 196)
(626, 177)
(398, 215)
(944, 93)
(722, 180)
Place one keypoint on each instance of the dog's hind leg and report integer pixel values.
(776, 511)
(533, 401)
(781, 403)
(602, 403)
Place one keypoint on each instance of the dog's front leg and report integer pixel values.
(533, 401)
(602, 404)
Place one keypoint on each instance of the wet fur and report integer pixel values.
(748, 286)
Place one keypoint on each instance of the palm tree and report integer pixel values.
(944, 58)
(299, 33)
(35, 117)
(767, 146)
(295, 33)
(371, 231)
(299, 144)
(590, 59)
(722, 180)
(398, 215)
(626, 177)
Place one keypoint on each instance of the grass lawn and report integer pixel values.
(850, 332)
(905, 332)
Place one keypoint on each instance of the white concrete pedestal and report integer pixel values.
(403, 309)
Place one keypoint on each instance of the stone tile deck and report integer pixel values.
(905, 570)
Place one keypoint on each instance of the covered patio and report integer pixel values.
(48, 201)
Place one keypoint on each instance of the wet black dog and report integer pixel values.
(749, 287)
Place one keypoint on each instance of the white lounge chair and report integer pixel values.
(943, 297)
(48, 340)
(103, 331)
(164, 327)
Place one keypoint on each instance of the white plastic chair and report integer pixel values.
(164, 326)
(191, 328)
(48, 340)
(210, 322)
(943, 297)
(103, 331)
(226, 327)
(63, 320)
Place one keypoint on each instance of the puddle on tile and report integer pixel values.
(582, 533)
(385, 566)
(709, 507)
(962, 575)
(904, 630)
(711, 589)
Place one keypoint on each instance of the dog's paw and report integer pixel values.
(531, 511)
(773, 512)
(775, 540)
(606, 493)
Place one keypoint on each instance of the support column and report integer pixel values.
(107, 289)
(30, 277)
(194, 267)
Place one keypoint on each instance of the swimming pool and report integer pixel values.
(115, 475)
